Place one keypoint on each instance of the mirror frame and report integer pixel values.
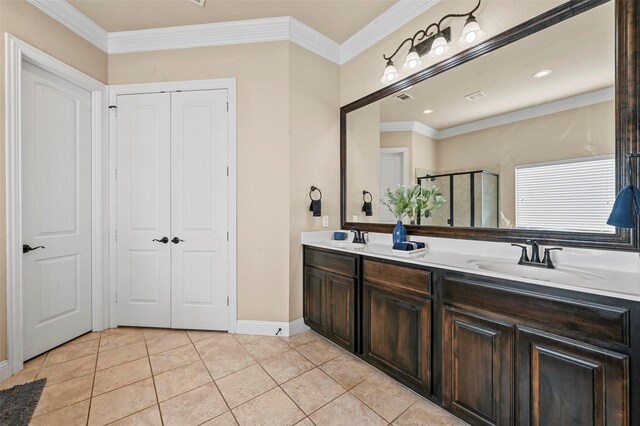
(627, 91)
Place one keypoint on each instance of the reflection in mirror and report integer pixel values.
(523, 137)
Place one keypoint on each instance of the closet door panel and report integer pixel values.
(144, 207)
(199, 273)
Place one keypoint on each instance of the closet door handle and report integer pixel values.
(26, 248)
(163, 240)
(176, 240)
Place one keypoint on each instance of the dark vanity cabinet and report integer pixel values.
(397, 321)
(477, 367)
(490, 351)
(516, 356)
(563, 381)
(329, 295)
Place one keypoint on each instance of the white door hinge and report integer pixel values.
(227, 106)
(116, 235)
(227, 171)
(116, 174)
(227, 235)
(227, 300)
(116, 297)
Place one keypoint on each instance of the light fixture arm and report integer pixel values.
(425, 33)
(432, 41)
(459, 15)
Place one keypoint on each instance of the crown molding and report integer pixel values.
(305, 36)
(565, 104)
(223, 34)
(585, 99)
(409, 126)
(73, 19)
(188, 36)
(235, 32)
(386, 23)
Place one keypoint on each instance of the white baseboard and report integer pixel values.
(5, 370)
(297, 327)
(270, 328)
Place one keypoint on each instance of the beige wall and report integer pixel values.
(424, 153)
(363, 160)
(262, 73)
(288, 126)
(27, 23)
(314, 94)
(576, 133)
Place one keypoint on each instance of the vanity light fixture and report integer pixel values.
(433, 42)
(542, 74)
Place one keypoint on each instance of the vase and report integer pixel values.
(399, 233)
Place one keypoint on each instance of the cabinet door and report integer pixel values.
(340, 314)
(477, 368)
(397, 334)
(314, 298)
(565, 382)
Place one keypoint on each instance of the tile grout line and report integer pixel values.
(213, 380)
(153, 379)
(93, 383)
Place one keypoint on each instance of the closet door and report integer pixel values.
(144, 209)
(199, 273)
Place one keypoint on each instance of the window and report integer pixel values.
(568, 195)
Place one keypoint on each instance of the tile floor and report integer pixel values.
(135, 376)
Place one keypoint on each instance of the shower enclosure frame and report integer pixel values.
(472, 190)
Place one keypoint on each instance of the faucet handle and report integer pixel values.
(364, 235)
(546, 259)
(524, 257)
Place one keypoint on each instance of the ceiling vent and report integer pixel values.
(198, 2)
(475, 96)
(403, 97)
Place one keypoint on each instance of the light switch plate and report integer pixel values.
(325, 221)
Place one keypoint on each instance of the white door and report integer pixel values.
(392, 174)
(56, 210)
(172, 183)
(199, 210)
(144, 210)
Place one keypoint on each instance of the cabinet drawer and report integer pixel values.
(333, 262)
(601, 322)
(411, 280)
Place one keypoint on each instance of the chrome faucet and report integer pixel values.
(359, 236)
(546, 261)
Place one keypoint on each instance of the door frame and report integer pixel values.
(16, 53)
(405, 160)
(190, 85)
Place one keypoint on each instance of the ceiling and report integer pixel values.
(580, 52)
(336, 19)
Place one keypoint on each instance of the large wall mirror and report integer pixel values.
(518, 137)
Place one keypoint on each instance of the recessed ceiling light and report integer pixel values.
(541, 74)
(427, 111)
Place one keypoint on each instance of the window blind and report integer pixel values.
(570, 195)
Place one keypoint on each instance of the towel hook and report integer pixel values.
(364, 196)
(628, 156)
(315, 188)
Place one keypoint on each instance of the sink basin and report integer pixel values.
(560, 275)
(345, 245)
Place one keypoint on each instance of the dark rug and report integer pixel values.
(18, 403)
